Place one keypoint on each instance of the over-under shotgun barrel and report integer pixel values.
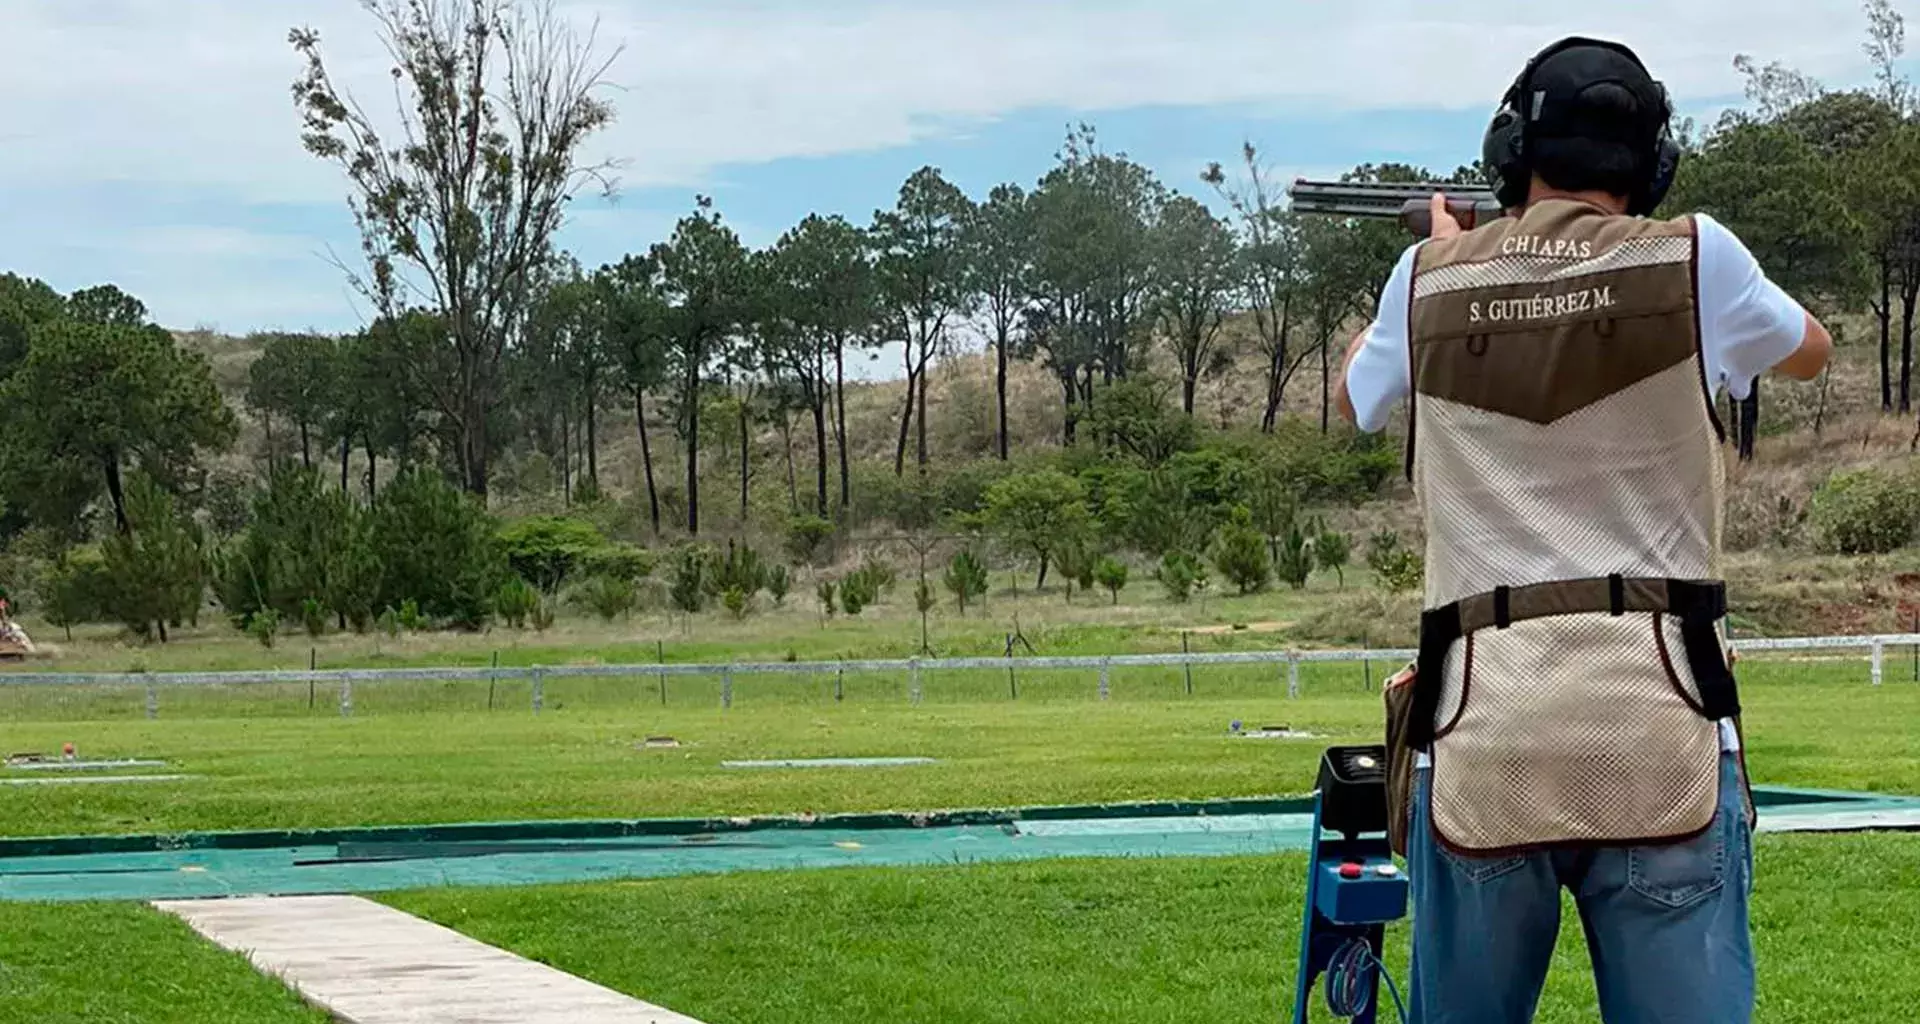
(1408, 204)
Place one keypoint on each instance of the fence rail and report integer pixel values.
(537, 675)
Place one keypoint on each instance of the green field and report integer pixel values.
(1201, 940)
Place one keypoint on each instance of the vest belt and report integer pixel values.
(1698, 604)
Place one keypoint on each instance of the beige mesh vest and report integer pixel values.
(1569, 467)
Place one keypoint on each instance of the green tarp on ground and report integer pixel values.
(373, 860)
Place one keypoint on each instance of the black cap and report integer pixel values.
(1593, 90)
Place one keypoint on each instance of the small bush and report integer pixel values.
(736, 601)
(858, 590)
(1295, 564)
(1864, 512)
(313, 615)
(825, 591)
(264, 626)
(606, 596)
(1240, 553)
(966, 578)
(807, 537)
(1331, 550)
(1111, 573)
(545, 550)
(411, 618)
(541, 614)
(629, 562)
(1181, 574)
(779, 583)
(516, 602)
(688, 588)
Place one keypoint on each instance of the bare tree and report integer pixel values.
(1271, 252)
(495, 99)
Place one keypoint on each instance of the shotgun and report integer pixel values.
(1407, 203)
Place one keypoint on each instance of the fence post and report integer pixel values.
(726, 688)
(1293, 674)
(539, 690)
(839, 684)
(1184, 663)
(1879, 658)
(663, 687)
(153, 701)
(346, 696)
(1105, 687)
(913, 681)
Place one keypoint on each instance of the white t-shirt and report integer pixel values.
(1748, 325)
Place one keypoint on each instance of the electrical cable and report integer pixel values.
(1350, 981)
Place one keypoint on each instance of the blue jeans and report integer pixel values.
(1666, 925)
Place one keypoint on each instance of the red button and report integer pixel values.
(1350, 870)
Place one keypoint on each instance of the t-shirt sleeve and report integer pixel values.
(1380, 374)
(1748, 324)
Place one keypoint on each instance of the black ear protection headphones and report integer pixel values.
(1504, 150)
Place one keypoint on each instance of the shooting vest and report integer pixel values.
(1569, 468)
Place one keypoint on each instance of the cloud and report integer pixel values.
(190, 98)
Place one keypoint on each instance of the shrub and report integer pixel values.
(1240, 553)
(858, 590)
(621, 560)
(541, 614)
(688, 588)
(1181, 574)
(313, 615)
(545, 550)
(966, 578)
(736, 601)
(1076, 557)
(264, 626)
(1111, 573)
(516, 602)
(779, 582)
(437, 548)
(1400, 570)
(1295, 564)
(1864, 512)
(741, 570)
(606, 596)
(1331, 550)
(807, 537)
(73, 590)
(824, 590)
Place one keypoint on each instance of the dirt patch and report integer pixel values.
(1241, 627)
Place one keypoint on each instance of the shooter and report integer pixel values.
(1572, 720)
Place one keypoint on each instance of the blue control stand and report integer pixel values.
(1354, 888)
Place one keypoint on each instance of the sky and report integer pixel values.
(155, 145)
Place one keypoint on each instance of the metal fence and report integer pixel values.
(340, 683)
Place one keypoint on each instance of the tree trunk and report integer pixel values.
(793, 482)
(118, 493)
(1749, 422)
(840, 421)
(1274, 370)
(1326, 387)
(306, 447)
(474, 441)
(693, 447)
(920, 428)
(746, 462)
(1909, 292)
(646, 456)
(1884, 313)
(1189, 378)
(906, 422)
(346, 450)
(593, 430)
(566, 457)
(1044, 559)
(1000, 387)
(373, 470)
(819, 404)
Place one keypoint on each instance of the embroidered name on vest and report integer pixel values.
(1535, 245)
(1541, 306)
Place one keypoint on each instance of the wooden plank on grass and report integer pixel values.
(368, 963)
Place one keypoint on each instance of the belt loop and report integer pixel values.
(1617, 594)
(1502, 607)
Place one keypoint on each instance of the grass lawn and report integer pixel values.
(127, 964)
(1808, 724)
(1066, 941)
(1206, 941)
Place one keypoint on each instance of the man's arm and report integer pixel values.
(1376, 364)
(1750, 326)
(1342, 401)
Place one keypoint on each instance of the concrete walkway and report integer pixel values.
(371, 964)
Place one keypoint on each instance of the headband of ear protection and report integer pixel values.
(1505, 149)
